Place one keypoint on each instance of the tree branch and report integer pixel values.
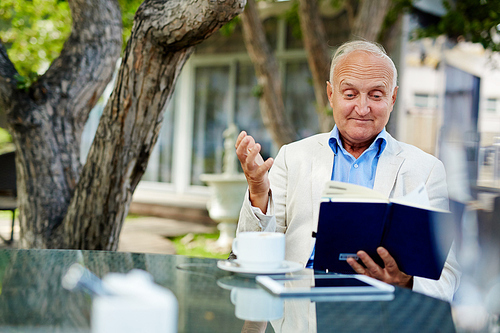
(160, 43)
(350, 7)
(47, 121)
(318, 56)
(194, 21)
(272, 107)
(369, 19)
(87, 61)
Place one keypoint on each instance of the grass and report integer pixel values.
(192, 245)
(199, 245)
(6, 214)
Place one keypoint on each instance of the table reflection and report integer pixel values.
(210, 300)
(250, 301)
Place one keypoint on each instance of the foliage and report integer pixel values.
(24, 82)
(4, 136)
(398, 7)
(229, 27)
(257, 91)
(34, 32)
(292, 18)
(199, 245)
(5, 141)
(128, 7)
(468, 20)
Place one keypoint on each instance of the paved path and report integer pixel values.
(140, 234)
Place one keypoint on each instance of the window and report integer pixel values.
(160, 162)
(247, 109)
(300, 103)
(210, 120)
(217, 104)
(491, 105)
(425, 100)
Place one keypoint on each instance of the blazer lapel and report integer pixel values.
(322, 164)
(388, 167)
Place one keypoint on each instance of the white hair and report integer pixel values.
(365, 46)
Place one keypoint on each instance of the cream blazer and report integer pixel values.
(298, 177)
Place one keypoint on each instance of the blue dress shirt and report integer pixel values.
(347, 169)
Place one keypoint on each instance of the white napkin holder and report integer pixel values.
(135, 304)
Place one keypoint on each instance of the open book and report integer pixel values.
(354, 218)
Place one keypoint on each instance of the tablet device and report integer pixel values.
(324, 285)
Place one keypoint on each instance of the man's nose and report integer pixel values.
(363, 107)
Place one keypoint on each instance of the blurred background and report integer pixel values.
(448, 105)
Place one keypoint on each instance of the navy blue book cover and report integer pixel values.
(344, 228)
(419, 239)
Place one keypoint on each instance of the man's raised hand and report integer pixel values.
(255, 169)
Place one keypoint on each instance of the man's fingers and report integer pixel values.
(253, 151)
(389, 262)
(243, 148)
(268, 163)
(240, 137)
(259, 174)
(356, 266)
(371, 266)
(264, 167)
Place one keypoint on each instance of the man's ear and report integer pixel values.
(329, 91)
(394, 95)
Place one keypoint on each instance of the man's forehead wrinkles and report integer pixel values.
(372, 72)
(363, 68)
(382, 84)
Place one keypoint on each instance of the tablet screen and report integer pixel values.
(340, 282)
(323, 284)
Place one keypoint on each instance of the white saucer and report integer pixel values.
(233, 266)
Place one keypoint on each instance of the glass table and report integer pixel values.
(210, 300)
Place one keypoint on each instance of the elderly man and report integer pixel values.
(362, 92)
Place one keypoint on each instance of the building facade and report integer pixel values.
(217, 86)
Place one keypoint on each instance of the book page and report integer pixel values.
(417, 198)
(339, 191)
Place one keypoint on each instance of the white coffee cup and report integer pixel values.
(255, 304)
(259, 250)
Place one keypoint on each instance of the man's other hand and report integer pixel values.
(390, 274)
(255, 169)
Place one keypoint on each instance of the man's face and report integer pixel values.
(361, 96)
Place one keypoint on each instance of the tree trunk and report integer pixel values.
(318, 57)
(391, 40)
(367, 24)
(163, 37)
(369, 18)
(58, 207)
(47, 120)
(272, 107)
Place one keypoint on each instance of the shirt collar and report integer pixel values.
(379, 143)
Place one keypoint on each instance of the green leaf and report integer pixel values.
(34, 31)
(468, 20)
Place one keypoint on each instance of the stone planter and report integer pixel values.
(227, 193)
